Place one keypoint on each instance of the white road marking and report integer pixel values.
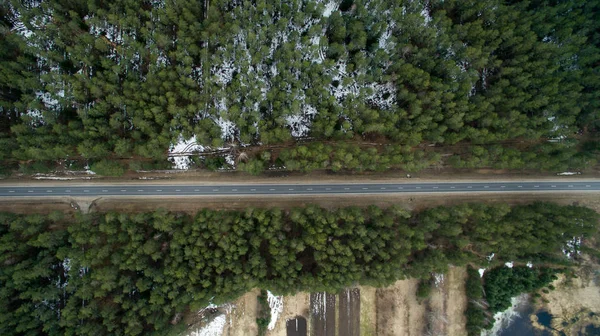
(158, 189)
(48, 190)
(520, 186)
(290, 189)
(196, 189)
(177, 190)
(29, 190)
(502, 186)
(346, 188)
(553, 186)
(418, 187)
(140, 190)
(400, 188)
(306, 189)
(86, 191)
(382, 188)
(252, 189)
(11, 191)
(570, 186)
(486, 187)
(327, 188)
(469, 187)
(233, 189)
(435, 187)
(271, 189)
(123, 189)
(365, 188)
(536, 186)
(215, 189)
(587, 186)
(104, 190)
(452, 187)
(68, 190)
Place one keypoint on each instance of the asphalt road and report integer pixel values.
(296, 189)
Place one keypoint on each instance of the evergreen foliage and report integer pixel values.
(130, 274)
(120, 79)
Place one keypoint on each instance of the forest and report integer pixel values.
(118, 82)
(138, 274)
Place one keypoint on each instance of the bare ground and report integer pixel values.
(296, 305)
(456, 301)
(242, 318)
(368, 311)
(398, 312)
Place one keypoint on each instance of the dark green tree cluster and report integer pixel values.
(134, 273)
(503, 283)
(98, 80)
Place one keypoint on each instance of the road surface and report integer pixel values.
(144, 189)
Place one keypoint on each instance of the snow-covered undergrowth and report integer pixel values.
(276, 306)
(214, 328)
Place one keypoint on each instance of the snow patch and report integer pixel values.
(572, 247)
(481, 271)
(300, 124)
(438, 279)
(330, 7)
(490, 257)
(276, 305)
(529, 264)
(568, 173)
(509, 264)
(214, 328)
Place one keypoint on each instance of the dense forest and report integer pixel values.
(136, 274)
(95, 80)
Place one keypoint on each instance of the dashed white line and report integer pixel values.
(233, 189)
(158, 189)
(400, 188)
(29, 190)
(435, 187)
(290, 189)
(11, 191)
(346, 188)
(274, 189)
(140, 190)
(306, 189)
(553, 186)
(536, 186)
(177, 190)
(570, 186)
(469, 187)
(123, 189)
(48, 190)
(325, 189)
(452, 187)
(365, 188)
(588, 186)
(502, 186)
(104, 190)
(196, 189)
(418, 187)
(86, 191)
(486, 187)
(382, 188)
(215, 189)
(520, 186)
(252, 189)
(68, 190)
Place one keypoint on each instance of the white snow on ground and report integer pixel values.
(529, 264)
(383, 39)
(228, 128)
(383, 95)
(276, 305)
(426, 14)
(491, 256)
(439, 279)
(183, 146)
(61, 178)
(330, 7)
(568, 173)
(47, 99)
(504, 319)
(300, 124)
(481, 271)
(509, 264)
(214, 328)
(224, 72)
(572, 247)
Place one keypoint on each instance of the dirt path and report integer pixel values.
(242, 318)
(322, 310)
(293, 306)
(398, 312)
(435, 315)
(456, 301)
(349, 312)
(368, 311)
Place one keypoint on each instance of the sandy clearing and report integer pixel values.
(398, 312)
(368, 311)
(456, 301)
(435, 314)
(242, 318)
(296, 305)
